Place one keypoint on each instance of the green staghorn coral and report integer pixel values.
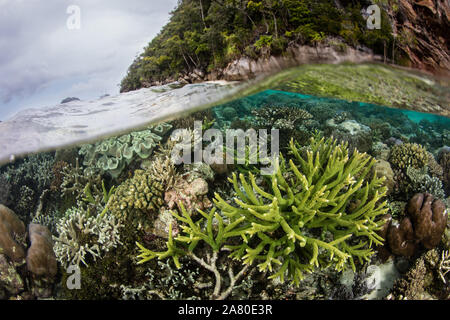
(320, 209)
(114, 154)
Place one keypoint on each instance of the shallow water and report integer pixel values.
(129, 177)
(43, 129)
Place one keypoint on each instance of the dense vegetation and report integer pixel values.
(205, 35)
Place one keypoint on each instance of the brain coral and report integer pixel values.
(408, 155)
(114, 154)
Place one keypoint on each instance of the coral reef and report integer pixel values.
(419, 181)
(10, 279)
(421, 282)
(114, 154)
(423, 225)
(82, 237)
(434, 169)
(191, 193)
(75, 179)
(41, 259)
(355, 134)
(444, 160)
(229, 113)
(5, 191)
(408, 155)
(12, 234)
(279, 117)
(321, 109)
(58, 177)
(324, 190)
(166, 283)
(141, 193)
(382, 168)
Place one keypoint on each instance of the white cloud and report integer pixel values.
(41, 59)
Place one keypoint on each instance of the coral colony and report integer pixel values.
(353, 189)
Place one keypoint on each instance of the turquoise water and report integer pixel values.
(130, 186)
(432, 131)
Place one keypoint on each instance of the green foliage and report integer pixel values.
(208, 34)
(320, 209)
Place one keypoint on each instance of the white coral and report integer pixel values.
(80, 234)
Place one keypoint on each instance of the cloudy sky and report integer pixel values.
(45, 57)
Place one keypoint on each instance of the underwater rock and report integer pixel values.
(199, 170)
(380, 150)
(11, 228)
(382, 168)
(191, 194)
(162, 223)
(41, 259)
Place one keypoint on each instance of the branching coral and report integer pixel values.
(444, 265)
(76, 178)
(408, 155)
(420, 181)
(279, 117)
(196, 231)
(81, 236)
(323, 194)
(113, 154)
